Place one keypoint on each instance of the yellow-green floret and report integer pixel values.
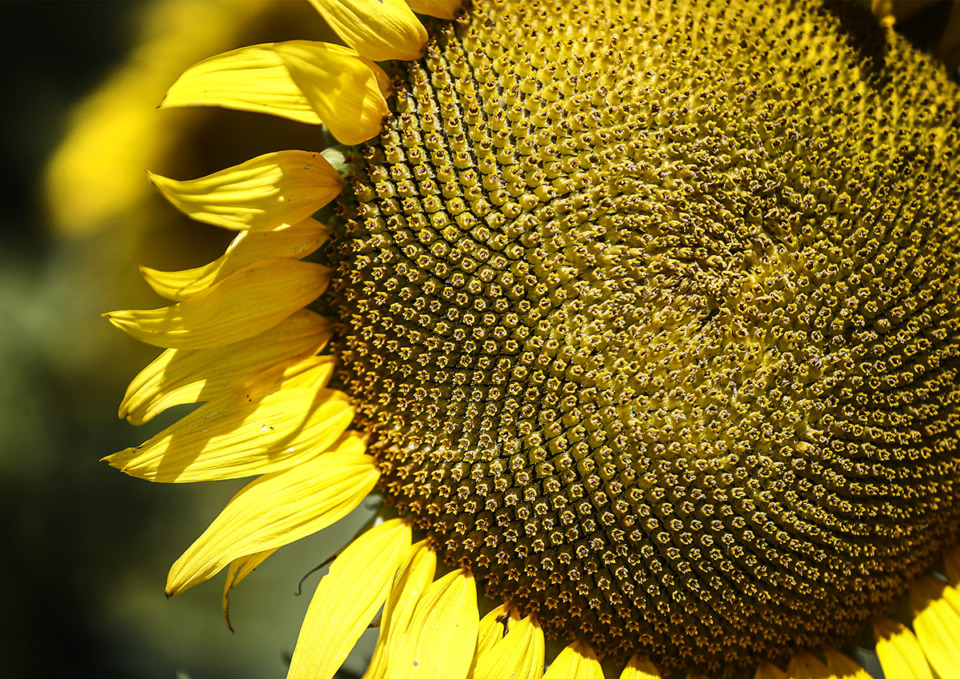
(653, 315)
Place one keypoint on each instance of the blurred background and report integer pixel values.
(87, 548)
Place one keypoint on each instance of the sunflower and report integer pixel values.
(641, 319)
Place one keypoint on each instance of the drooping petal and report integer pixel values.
(275, 510)
(640, 667)
(576, 661)
(937, 625)
(442, 9)
(238, 570)
(264, 193)
(293, 242)
(843, 667)
(441, 637)
(246, 303)
(247, 79)
(180, 376)
(899, 651)
(768, 671)
(233, 438)
(347, 598)
(519, 655)
(343, 89)
(378, 29)
(409, 583)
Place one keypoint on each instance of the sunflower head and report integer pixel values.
(647, 315)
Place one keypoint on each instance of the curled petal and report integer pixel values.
(248, 302)
(180, 376)
(247, 79)
(293, 242)
(275, 510)
(343, 89)
(378, 29)
(264, 193)
(239, 570)
(347, 599)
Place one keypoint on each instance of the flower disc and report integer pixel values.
(652, 314)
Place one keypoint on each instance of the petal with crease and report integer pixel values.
(347, 599)
(293, 242)
(246, 303)
(180, 376)
(411, 579)
(441, 637)
(233, 438)
(937, 625)
(264, 193)
(378, 29)
(492, 628)
(576, 661)
(899, 651)
(343, 89)
(275, 510)
(519, 655)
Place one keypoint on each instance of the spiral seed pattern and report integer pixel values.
(653, 316)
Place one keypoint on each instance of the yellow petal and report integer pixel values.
(640, 667)
(843, 667)
(267, 192)
(768, 671)
(347, 599)
(247, 79)
(180, 376)
(806, 666)
(899, 651)
(239, 569)
(441, 637)
(343, 89)
(378, 29)
(275, 510)
(233, 438)
(412, 578)
(519, 655)
(442, 9)
(491, 629)
(937, 625)
(246, 303)
(293, 242)
(576, 661)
